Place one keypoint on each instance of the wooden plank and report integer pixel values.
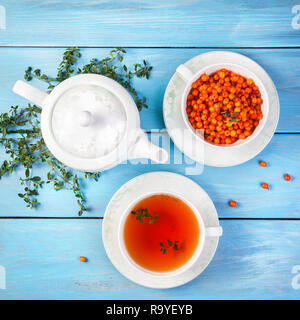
(150, 23)
(241, 183)
(281, 64)
(254, 260)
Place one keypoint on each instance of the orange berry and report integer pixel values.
(287, 177)
(249, 82)
(232, 203)
(264, 185)
(263, 163)
(228, 141)
(195, 92)
(221, 74)
(82, 259)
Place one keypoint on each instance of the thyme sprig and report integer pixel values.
(231, 118)
(170, 244)
(111, 66)
(144, 213)
(20, 132)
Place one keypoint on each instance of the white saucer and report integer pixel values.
(222, 157)
(160, 182)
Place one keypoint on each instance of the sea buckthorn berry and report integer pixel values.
(227, 106)
(221, 74)
(263, 163)
(82, 259)
(264, 185)
(232, 203)
(204, 77)
(287, 177)
(195, 92)
(249, 82)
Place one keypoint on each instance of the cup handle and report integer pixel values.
(214, 231)
(30, 92)
(184, 73)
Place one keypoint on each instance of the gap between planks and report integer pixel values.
(101, 218)
(142, 47)
(164, 131)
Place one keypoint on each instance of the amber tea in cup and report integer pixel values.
(161, 233)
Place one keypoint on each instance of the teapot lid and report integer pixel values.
(87, 122)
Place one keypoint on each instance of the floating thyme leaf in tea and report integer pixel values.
(20, 132)
(171, 244)
(143, 213)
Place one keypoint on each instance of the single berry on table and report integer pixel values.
(232, 203)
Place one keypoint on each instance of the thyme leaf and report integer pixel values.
(143, 213)
(231, 118)
(170, 244)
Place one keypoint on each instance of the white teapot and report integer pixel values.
(91, 123)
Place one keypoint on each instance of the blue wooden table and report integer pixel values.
(259, 254)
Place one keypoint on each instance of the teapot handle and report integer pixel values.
(30, 92)
(143, 148)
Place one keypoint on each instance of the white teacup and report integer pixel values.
(189, 78)
(205, 232)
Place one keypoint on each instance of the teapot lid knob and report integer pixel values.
(85, 118)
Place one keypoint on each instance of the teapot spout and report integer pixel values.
(143, 148)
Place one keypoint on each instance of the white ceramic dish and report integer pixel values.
(176, 119)
(160, 183)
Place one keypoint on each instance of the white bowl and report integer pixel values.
(180, 130)
(189, 77)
